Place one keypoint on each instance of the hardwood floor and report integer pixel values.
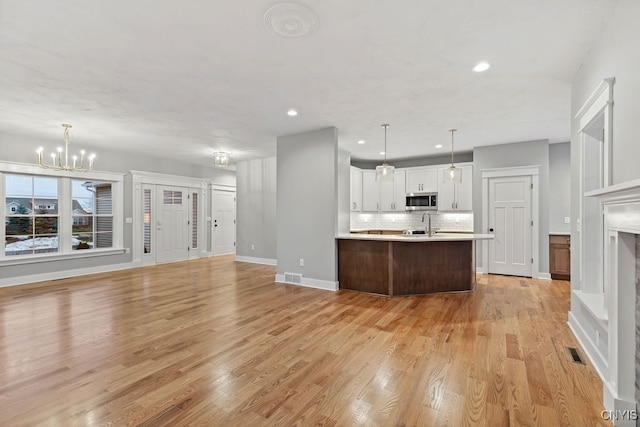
(214, 342)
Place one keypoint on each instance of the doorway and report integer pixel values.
(170, 223)
(510, 223)
(223, 221)
(510, 200)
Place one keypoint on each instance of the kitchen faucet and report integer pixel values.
(428, 228)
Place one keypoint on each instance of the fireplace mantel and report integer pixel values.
(620, 205)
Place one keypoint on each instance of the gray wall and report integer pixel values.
(615, 54)
(533, 153)
(308, 203)
(559, 187)
(17, 150)
(256, 208)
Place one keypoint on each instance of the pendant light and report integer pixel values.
(384, 172)
(452, 173)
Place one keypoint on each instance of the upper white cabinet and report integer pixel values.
(370, 192)
(392, 193)
(420, 180)
(456, 197)
(356, 189)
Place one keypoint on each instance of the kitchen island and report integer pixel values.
(396, 265)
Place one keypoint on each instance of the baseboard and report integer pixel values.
(480, 270)
(254, 260)
(326, 285)
(64, 274)
(597, 360)
(544, 276)
(623, 413)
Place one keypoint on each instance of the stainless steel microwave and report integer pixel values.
(422, 202)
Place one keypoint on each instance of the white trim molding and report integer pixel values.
(615, 309)
(63, 274)
(534, 172)
(255, 260)
(306, 282)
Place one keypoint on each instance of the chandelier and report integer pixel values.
(221, 159)
(384, 172)
(77, 164)
(452, 173)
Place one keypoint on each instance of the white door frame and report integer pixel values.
(142, 177)
(534, 172)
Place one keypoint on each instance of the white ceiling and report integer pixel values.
(182, 78)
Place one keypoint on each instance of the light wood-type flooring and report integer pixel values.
(217, 343)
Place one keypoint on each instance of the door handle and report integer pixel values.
(491, 230)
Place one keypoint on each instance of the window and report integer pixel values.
(54, 216)
(31, 227)
(147, 221)
(92, 215)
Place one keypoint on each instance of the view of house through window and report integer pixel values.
(31, 217)
(92, 214)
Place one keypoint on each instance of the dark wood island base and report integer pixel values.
(396, 268)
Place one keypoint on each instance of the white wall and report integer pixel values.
(307, 205)
(559, 187)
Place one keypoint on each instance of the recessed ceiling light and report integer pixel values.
(382, 153)
(481, 66)
(361, 142)
(439, 146)
(292, 113)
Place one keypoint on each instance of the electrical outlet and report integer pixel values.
(457, 220)
(253, 247)
(567, 220)
(301, 262)
(127, 250)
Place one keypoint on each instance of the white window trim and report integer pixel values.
(65, 212)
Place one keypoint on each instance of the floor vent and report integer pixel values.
(575, 356)
(293, 278)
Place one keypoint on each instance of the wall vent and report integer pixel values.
(292, 278)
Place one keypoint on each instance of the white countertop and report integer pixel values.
(439, 237)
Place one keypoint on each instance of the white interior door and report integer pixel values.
(224, 222)
(172, 224)
(510, 220)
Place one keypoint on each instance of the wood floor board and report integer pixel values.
(216, 342)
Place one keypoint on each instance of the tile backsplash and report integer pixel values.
(411, 220)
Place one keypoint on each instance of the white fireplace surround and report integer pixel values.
(615, 309)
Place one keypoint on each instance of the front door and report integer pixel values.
(172, 224)
(224, 222)
(510, 223)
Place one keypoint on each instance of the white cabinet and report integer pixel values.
(422, 180)
(370, 192)
(356, 189)
(456, 197)
(392, 193)
(400, 190)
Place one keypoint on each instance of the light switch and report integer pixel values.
(567, 220)
(129, 220)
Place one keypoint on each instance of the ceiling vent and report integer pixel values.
(291, 20)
